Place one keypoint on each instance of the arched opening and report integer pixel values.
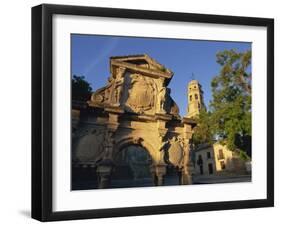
(132, 168)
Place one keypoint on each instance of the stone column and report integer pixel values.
(158, 173)
(187, 168)
(104, 171)
(185, 175)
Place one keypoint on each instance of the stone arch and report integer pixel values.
(128, 141)
(157, 164)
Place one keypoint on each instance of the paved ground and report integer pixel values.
(221, 179)
(143, 182)
(147, 182)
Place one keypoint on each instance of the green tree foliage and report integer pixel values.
(203, 133)
(229, 119)
(231, 104)
(81, 89)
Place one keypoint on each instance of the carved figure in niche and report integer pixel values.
(108, 89)
(162, 99)
(118, 85)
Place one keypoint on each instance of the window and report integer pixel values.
(196, 97)
(199, 106)
(220, 155)
(210, 167)
(208, 155)
(199, 160)
(190, 97)
(222, 165)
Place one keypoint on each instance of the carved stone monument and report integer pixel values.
(134, 107)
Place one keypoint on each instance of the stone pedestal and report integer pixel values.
(158, 172)
(185, 179)
(104, 172)
(186, 176)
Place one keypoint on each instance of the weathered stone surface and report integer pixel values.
(135, 107)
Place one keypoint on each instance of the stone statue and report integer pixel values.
(108, 89)
(162, 99)
(112, 92)
(118, 86)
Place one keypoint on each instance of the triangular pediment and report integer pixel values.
(141, 59)
(141, 62)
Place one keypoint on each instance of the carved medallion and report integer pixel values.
(90, 146)
(141, 94)
(175, 152)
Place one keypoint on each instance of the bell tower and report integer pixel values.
(195, 99)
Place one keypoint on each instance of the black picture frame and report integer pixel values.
(42, 111)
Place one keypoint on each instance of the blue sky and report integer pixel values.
(90, 58)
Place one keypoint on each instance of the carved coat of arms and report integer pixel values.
(141, 94)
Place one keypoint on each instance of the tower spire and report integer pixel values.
(195, 98)
(192, 76)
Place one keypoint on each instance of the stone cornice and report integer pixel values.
(148, 72)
